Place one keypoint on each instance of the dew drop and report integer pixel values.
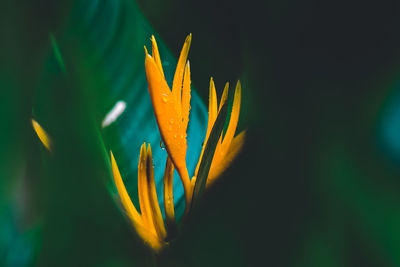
(162, 146)
(164, 98)
(174, 135)
(171, 121)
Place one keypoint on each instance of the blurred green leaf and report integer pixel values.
(111, 36)
(57, 53)
(101, 46)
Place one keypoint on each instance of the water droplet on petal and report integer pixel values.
(162, 146)
(174, 135)
(164, 98)
(171, 121)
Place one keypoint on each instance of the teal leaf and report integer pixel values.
(111, 35)
(17, 246)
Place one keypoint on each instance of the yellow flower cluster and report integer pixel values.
(171, 108)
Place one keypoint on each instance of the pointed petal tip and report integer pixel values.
(238, 89)
(142, 151)
(153, 40)
(224, 96)
(146, 52)
(188, 41)
(149, 149)
(226, 86)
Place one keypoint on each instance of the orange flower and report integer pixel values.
(171, 108)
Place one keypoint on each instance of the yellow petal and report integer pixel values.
(186, 96)
(222, 148)
(218, 167)
(155, 207)
(212, 115)
(169, 192)
(224, 96)
(41, 133)
(143, 191)
(156, 55)
(124, 196)
(178, 77)
(193, 181)
(223, 100)
(212, 108)
(169, 123)
(233, 121)
(148, 236)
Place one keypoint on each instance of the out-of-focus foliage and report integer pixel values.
(100, 58)
(316, 185)
(94, 59)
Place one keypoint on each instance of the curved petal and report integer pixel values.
(143, 192)
(169, 192)
(148, 235)
(125, 199)
(224, 146)
(156, 55)
(186, 96)
(157, 218)
(212, 116)
(169, 122)
(234, 149)
(178, 77)
(233, 121)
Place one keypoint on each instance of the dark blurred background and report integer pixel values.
(317, 183)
